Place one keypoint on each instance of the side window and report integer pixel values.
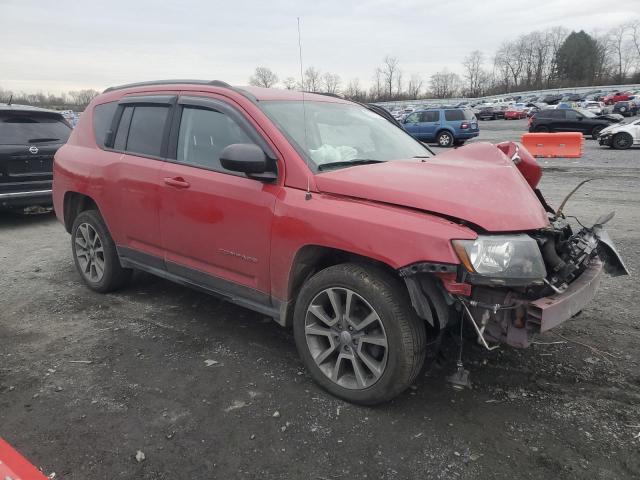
(204, 134)
(571, 115)
(120, 142)
(147, 129)
(102, 117)
(558, 114)
(431, 116)
(453, 115)
(413, 118)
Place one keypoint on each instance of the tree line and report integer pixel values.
(552, 58)
(73, 100)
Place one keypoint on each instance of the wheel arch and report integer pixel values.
(427, 295)
(73, 204)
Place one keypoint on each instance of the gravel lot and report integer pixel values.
(210, 390)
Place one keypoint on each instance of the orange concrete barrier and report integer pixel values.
(548, 145)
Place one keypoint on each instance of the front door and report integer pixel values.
(215, 224)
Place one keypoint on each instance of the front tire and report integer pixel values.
(357, 333)
(95, 255)
(444, 139)
(622, 141)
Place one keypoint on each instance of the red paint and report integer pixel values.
(527, 164)
(399, 213)
(616, 97)
(15, 467)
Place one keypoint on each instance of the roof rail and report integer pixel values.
(215, 83)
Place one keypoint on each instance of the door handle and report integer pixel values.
(177, 182)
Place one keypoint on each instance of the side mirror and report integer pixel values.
(247, 158)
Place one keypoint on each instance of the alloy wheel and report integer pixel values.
(346, 338)
(89, 252)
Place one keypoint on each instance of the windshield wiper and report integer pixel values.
(39, 140)
(349, 163)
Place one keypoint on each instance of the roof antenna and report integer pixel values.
(304, 113)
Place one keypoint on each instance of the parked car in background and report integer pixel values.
(569, 120)
(616, 97)
(597, 108)
(621, 136)
(515, 113)
(552, 99)
(626, 109)
(500, 110)
(447, 127)
(486, 113)
(29, 137)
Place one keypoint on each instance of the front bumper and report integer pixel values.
(605, 139)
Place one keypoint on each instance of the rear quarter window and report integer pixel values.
(102, 118)
(454, 115)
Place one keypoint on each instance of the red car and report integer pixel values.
(617, 97)
(514, 114)
(326, 216)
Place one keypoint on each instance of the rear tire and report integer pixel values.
(622, 141)
(542, 129)
(336, 348)
(95, 255)
(444, 139)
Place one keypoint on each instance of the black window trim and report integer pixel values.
(208, 103)
(142, 100)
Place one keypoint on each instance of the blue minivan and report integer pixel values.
(445, 126)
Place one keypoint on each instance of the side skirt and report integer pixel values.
(229, 291)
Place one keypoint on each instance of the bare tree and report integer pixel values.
(331, 82)
(312, 80)
(444, 84)
(354, 92)
(473, 73)
(290, 83)
(414, 87)
(622, 48)
(263, 77)
(390, 71)
(81, 98)
(377, 88)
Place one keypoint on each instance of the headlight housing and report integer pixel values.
(506, 259)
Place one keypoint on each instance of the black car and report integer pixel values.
(552, 99)
(486, 113)
(569, 120)
(626, 109)
(29, 137)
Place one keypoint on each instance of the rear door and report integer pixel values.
(557, 121)
(28, 141)
(140, 135)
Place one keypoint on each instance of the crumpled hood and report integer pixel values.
(476, 183)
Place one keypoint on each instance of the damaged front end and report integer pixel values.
(512, 286)
(574, 264)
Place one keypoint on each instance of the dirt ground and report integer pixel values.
(208, 390)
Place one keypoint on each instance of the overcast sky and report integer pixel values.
(60, 45)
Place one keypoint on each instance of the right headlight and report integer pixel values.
(502, 257)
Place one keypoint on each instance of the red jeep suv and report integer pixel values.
(326, 216)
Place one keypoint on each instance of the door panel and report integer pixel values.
(219, 224)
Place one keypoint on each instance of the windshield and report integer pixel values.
(341, 132)
(21, 128)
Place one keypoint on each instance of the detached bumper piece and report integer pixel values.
(548, 312)
(523, 318)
